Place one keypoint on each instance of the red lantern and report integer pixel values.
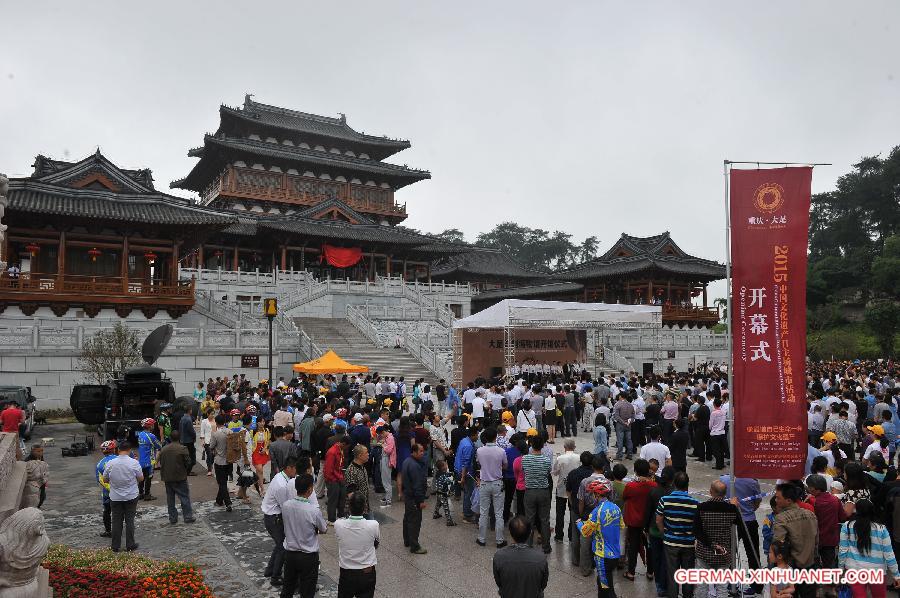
(150, 256)
(94, 253)
(33, 248)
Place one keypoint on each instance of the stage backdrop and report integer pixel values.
(769, 231)
(483, 354)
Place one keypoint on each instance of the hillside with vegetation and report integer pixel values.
(853, 286)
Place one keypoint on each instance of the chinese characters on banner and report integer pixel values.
(769, 232)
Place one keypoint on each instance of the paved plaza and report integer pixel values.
(232, 548)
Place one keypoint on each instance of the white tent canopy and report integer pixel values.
(563, 314)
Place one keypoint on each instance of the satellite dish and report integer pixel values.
(156, 343)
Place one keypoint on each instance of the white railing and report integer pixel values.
(254, 277)
(357, 317)
(440, 288)
(668, 340)
(224, 312)
(426, 356)
(614, 359)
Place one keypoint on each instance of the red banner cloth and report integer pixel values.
(341, 257)
(769, 236)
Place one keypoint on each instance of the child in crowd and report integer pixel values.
(443, 486)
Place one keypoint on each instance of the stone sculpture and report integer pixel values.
(23, 545)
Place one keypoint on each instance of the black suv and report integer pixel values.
(24, 400)
(118, 407)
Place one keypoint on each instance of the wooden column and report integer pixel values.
(428, 272)
(284, 257)
(628, 299)
(200, 257)
(603, 290)
(389, 258)
(404, 270)
(669, 290)
(704, 294)
(372, 266)
(234, 261)
(60, 259)
(303, 258)
(649, 292)
(173, 275)
(123, 264)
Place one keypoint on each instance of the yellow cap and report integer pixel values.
(877, 430)
(829, 436)
(531, 432)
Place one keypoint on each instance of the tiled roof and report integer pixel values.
(53, 171)
(40, 198)
(538, 290)
(630, 255)
(335, 229)
(329, 204)
(399, 175)
(304, 122)
(484, 262)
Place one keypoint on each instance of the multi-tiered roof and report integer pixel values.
(271, 156)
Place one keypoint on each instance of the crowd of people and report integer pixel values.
(485, 456)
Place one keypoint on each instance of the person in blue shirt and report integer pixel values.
(109, 453)
(452, 398)
(463, 465)
(604, 526)
(148, 445)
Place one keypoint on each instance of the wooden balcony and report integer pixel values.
(301, 191)
(93, 293)
(692, 316)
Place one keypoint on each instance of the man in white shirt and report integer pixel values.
(656, 449)
(303, 521)
(469, 394)
(478, 405)
(357, 539)
(562, 467)
(123, 474)
(281, 489)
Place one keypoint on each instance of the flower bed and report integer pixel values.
(106, 574)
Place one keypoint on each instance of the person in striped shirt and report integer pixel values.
(536, 469)
(867, 545)
(676, 515)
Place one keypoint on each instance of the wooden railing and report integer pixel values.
(701, 314)
(307, 191)
(91, 289)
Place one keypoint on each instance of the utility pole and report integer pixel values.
(270, 308)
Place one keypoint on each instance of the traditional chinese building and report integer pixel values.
(90, 235)
(312, 193)
(635, 270)
(650, 270)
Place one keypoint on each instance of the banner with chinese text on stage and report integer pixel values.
(769, 235)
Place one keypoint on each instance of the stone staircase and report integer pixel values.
(348, 342)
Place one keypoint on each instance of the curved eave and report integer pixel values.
(701, 269)
(215, 147)
(377, 147)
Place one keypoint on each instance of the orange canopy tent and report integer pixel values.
(329, 363)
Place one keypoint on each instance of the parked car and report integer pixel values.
(22, 397)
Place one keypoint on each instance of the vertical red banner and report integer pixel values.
(769, 237)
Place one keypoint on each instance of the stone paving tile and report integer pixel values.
(233, 548)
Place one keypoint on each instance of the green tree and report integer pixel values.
(849, 228)
(454, 235)
(886, 268)
(110, 351)
(883, 318)
(588, 249)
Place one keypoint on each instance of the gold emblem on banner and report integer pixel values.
(768, 197)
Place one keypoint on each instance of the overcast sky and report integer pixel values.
(593, 117)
